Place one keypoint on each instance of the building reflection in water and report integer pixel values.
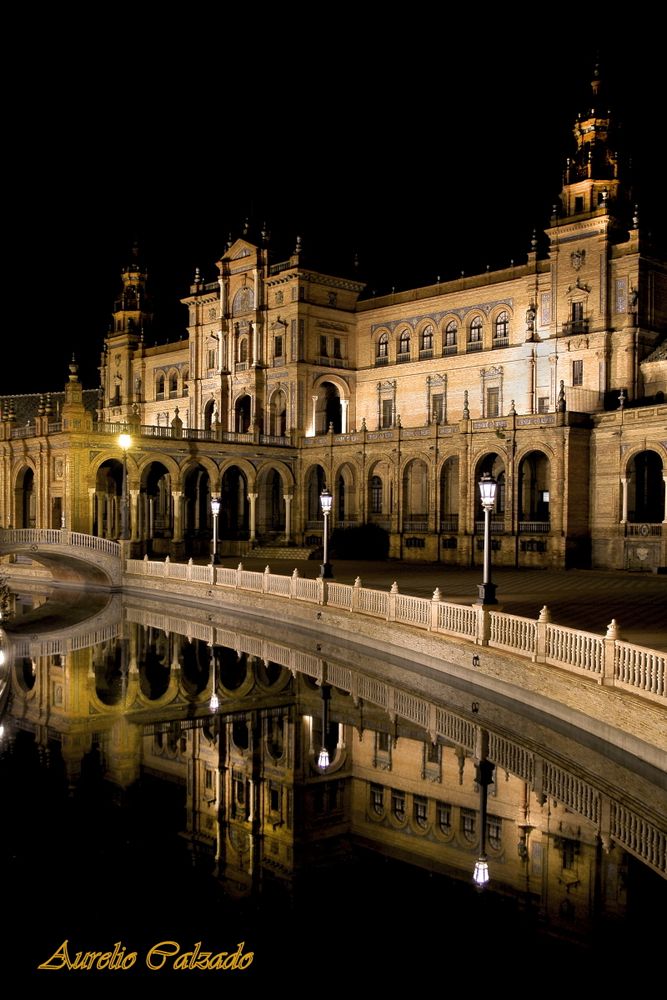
(321, 788)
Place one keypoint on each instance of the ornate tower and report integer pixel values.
(131, 318)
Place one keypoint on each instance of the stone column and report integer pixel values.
(287, 497)
(344, 405)
(134, 515)
(91, 509)
(177, 498)
(313, 419)
(624, 494)
(664, 518)
(252, 497)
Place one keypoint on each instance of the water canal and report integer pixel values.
(168, 813)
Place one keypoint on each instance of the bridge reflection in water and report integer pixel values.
(136, 814)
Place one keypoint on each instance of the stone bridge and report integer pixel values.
(63, 553)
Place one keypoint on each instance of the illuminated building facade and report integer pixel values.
(549, 374)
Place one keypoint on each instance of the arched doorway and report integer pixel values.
(534, 492)
(345, 498)
(315, 483)
(278, 414)
(243, 414)
(646, 489)
(25, 499)
(380, 498)
(329, 409)
(495, 466)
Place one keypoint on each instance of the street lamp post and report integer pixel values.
(487, 492)
(125, 442)
(326, 571)
(484, 777)
(215, 510)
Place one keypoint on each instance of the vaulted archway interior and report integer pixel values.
(25, 499)
(197, 513)
(345, 496)
(278, 414)
(157, 513)
(495, 466)
(646, 488)
(449, 494)
(195, 660)
(415, 495)
(110, 670)
(243, 414)
(315, 483)
(270, 504)
(234, 507)
(329, 410)
(106, 507)
(380, 496)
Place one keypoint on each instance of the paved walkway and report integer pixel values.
(585, 599)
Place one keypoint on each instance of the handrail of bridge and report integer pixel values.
(59, 536)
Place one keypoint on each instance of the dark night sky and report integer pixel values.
(427, 147)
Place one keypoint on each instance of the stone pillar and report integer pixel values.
(287, 497)
(151, 518)
(134, 515)
(624, 495)
(664, 518)
(91, 509)
(252, 497)
(344, 405)
(177, 498)
(313, 419)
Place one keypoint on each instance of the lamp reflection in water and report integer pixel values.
(326, 500)
(323, 759)
(487, 492)
(484, 777)
(125, 442)
(214, 703)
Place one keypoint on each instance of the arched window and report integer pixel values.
(376, 495)
(476, 330)
(426, 342)
(159, 387)
(501, 328)
(449, 346)
(382, 353)
(243, 350)
(404, 346)
(186, 376)
(173, 384)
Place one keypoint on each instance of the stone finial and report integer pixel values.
(298, 246)
(621, 399)
(197, 277)
(635, 217)
(437, 596)
(266, 570)
(296, 574)
(466, 409)
(533, 241)
(512, 407)
(545, 614)
(357, 582)
(613, 631)
(239, 567)
(73, 370)
(48, 405)
(561, 397)
(40, 407)
(394, 588)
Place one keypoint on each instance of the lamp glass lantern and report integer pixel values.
(215, 511)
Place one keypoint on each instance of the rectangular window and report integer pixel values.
(387, 413)
(277, 347)
(433, 753)
(577, 311)
(577, 373)
(543, 404)
(324, 353)
(382, 742)
(208, 779)
(544, 317)
(211, 359)
(493, 402)
(438, 408)
(337, 349)
(569, 853)
(274, 799)
(621, 298)
(445, 817)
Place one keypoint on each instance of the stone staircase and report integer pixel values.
(270, 552)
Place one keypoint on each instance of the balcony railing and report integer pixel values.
(474, 345)
(534, 527)
(425, 353)
(415, 524)
(449, 522)
(497, 526)
(644, 530)
(575, 326)
(381, 359)
(500, 342)
(402, 358)
(448, 350)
